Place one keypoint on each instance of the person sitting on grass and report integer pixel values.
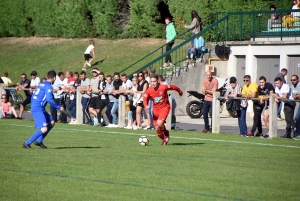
(7, 108)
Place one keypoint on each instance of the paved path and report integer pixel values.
(228, 124)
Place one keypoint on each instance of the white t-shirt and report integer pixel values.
(296, 14)
(294, 90)
(35, 82)
(89, 49)
(127, 85)
(284, 89)
(148, 80)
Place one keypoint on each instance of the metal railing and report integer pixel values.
(232, 26)
(161, 50)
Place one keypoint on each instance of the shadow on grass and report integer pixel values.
(97, 62)
(77, 148)
(188, 144)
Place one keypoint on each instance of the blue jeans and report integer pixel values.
(72, 108)
(242, 121)
(114, 111)
(206, 106)
(279, 109)
(151, 112)
(298, 121)
(85, 109)
(108, 111)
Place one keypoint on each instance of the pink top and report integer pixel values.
(5, 107)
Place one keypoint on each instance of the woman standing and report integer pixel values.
(141, 90)
(196, 25)
(170, 35)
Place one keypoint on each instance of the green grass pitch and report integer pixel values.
(96, 163)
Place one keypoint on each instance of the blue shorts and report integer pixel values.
(41, 119)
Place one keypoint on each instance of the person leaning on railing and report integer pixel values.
(293, 17)
(295, 90)
(7, 82)
(234, 90)
(250, 91)
(283, 92)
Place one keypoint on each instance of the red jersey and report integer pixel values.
(159, 97)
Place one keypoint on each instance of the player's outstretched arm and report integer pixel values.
(49, 97)
(175, 88)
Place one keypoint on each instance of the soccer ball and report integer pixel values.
(143, 140)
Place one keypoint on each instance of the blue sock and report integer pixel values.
(42, 137)
(35, 135)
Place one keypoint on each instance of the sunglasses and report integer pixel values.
(293, 80)
(246, 80)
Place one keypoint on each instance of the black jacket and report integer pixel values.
(233, 104)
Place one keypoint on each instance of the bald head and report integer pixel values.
(209, 75)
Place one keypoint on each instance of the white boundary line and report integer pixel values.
(176, 137)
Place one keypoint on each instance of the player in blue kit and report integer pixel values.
(43, 121)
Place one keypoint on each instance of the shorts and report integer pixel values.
(162, 115)
(266, 112)
(88, 57)
(41, 119)
(26, 101)
(140, 104)
(95, 102)
(103, 103)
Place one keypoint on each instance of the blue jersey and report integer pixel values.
(41, 96)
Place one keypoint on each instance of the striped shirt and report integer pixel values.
(236, 90)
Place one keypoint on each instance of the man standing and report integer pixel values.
(35, 81)
(43, 120)
(58, 86)
(85, 90)
(7, 82)
(161, 106)
(265, 89)
(117, 84)
(109, 89)
(234, 90)
(25, 84)
(209, 86)
(283, 92)
(295, 90)
(72, 105)
(103, 97)
(250, 91)
(282, 74)
(94, 106)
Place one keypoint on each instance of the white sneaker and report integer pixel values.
(84, 69)
(112, 126)
(146, 128)
(89, 64)
(137, 128)
(128, 127)
(72, 122)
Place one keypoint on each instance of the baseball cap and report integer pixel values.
(232, 80)
(33, 73)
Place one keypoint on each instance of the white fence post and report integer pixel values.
(169, 118)
(79, 114)
(272, 116)
(122, 111)
(216, 113)
(2, 91)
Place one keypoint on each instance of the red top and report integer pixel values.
(160, 96)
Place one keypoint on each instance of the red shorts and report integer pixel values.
(162, 115)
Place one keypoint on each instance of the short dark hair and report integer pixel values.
(272, 6)
(24, 74)
(51, 74)
(247, 76)
(60, 73)
(161, 78)
(101, 73)
(154, 76)
(83, 73)
(277, 79)
(70, 72)
(262, 78)
(117, 73)
(284, 69)
(108, 76)
(76, 73)
(5, 74)
(295, 76)
(123, 75)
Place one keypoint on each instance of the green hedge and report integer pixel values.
(100, 18)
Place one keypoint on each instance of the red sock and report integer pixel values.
(160, 134)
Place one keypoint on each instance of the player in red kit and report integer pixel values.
(161, 106)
